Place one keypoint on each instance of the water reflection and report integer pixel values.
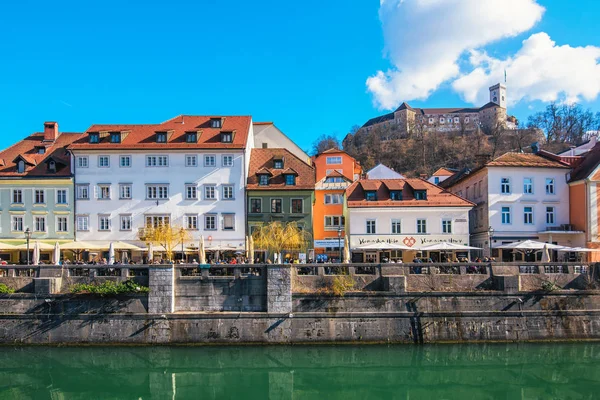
(513, 371)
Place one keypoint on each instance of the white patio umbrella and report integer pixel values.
(577, 249)
(41, 246)
(201, 251)
(124, 246)
(529, 245)
(111, 254)
(383, 246)
(445, 246)
(56, 254)
(150, 253)
(251, 249)
(545, 254)
(346, 250)
(36, 253)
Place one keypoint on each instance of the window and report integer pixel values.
(161, 137)
(420, 194)
(278, 164)
(421, 226)
(103, 161)
(396, 226)
(21, 166)
(83, 192)
(528, 215)
(226, 137)
(334, 198)
(115, 137)
(371, 195)
(40, 150)
(39, 196)
(191, 137)
(334, 179)
(334, 160)
(83, 223)
(210, 161)
(125, 191)
(442, 120)
(61, 196)
(125, 161)
(191, 160)
(227, 192)
(125, 221)
(215, 122)
(157, 161)
(191, 222)
(505, 185)
(62, 224)
(17, 196)
(297, 206)
(276, 206)
(436, 180)
(210, 192)
(94, 137)
(228, 222)
(480, 188)
(333, 222)
(290, 180)
(255, 205)
(528, 185)
(456, 120)
(263, 180)
(191, 192)
(371, 226)
(17, 223)
(157, 192)
(210, 222)
(104, 223)
(157, 220)
(466, 120)
(506, 215)
(104, 192)
(550, 216)
(39, 224)
(396, 195)
(447, 226)
(550, 186)
(82, 162)
(431, 120)
(227, 161)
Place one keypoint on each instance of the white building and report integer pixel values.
(520, 197)
(409, 212)
(441, 175)
(189, 171)
(268, 136)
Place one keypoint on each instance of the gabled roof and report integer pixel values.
(143, 136)
(436, 197)
(590, 163)
(381, 171)
(527, 160)
(261, 162)
(444, 172)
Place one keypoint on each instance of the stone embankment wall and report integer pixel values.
(306, 303)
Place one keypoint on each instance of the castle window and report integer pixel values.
(442, 120)
(431, 120)
(456, 120)
(466, 120)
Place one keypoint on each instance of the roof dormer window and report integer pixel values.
(215, 123)
(263, 180)
(191, 137)
(115, 137)
(396, 195)
(371, 195)
(40, 150)
(161, 137)
(290, 180)
(94, 137)
(21, 166)
(226, 137)
(52, 166)
(420, 194)
(278, 164)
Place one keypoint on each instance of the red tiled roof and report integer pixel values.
(443, 172)
(262, 160)
(144, 136)
(35, 163)
(370, 185)
(336, 173)
(436, 196)
(525, 160)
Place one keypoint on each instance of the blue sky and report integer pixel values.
(302, 65)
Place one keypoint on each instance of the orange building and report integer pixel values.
(584, 200)
(335, 170)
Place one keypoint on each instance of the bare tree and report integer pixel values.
(325, 142)
(564, 123)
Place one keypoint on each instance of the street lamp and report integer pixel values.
(181, 235)
(27, 237)
(490, 234)
(340, 242)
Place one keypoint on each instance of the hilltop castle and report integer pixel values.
(448, 119)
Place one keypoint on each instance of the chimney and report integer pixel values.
(423, 176)
(50, 131)
(482, 159)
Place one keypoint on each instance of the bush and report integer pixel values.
(549, 286)
(342, 284)
(109, 288)
(5, 289)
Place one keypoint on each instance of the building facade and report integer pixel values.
(36, 191)
(268, 136)
(408, 212)
(189, 172)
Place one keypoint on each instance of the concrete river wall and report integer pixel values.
(405, 303)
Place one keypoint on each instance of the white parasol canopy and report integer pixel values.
(578, 249)
(56, 254)
(36, 253)
(383, 246)
(150, 253)
(41, 246)
(201, 252)
(346, 250)
(111, 254)
(446, 246)
(78, 246)
(529, 245)
(6, 246)
(545, 254)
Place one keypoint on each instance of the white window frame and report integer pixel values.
(421, 226)
(157, 161)
(550, 211)
(128, 219)
(191, 160)
(447, 225)
(334, 160)
(58, 224)
(79, 191)
(550, 183)
(227, 157)
(101, 217)
(214, 219)
(505, 184)
(224, 190)
(35, 196)
(329, 199)
(503, 220)
(208, 157)
(371, 226)
(102, 157)
(17, 221)
(191, 191)
(396, 226)
(528, 217)
(58, 196)
(228, 215)
(36, 222)
(191, 222)
(82, 161)
(528, 188)
(161, 191)
(100, 189)
(82, 223)
(17, 194)
(126, 157)
(122, 187)
(213, 192)
(330, 222)
(271, 205)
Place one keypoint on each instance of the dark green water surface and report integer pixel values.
(487, 371)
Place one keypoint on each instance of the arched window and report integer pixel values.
(21, 166)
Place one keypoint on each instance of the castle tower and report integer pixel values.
(498, 94)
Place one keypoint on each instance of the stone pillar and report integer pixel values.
(279, 289)
(508, 283)
(42, 286)
(395, 284)
(161, 298)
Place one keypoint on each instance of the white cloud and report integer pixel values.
(540, 70)
(424, 40)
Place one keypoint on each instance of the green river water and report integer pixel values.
(484, 371)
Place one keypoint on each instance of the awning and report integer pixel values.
(41, 246)
(6, 246)
(530, 245)
(446, 246)
(383, 246)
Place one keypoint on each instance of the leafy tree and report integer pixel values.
(325, 142)
(165, 235)
(564, 123)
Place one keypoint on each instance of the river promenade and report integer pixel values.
(303, 303)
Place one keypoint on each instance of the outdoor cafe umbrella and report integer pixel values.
(201, 251)
(6, 246)
(41, 246)
(545, 254)
(111, 254)
(383, 246)
(529, 245)
(36, 253)
(346, 250)
(250, 249)
(150, 253)
(56, 254)
(577, 249)
(446, 246)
